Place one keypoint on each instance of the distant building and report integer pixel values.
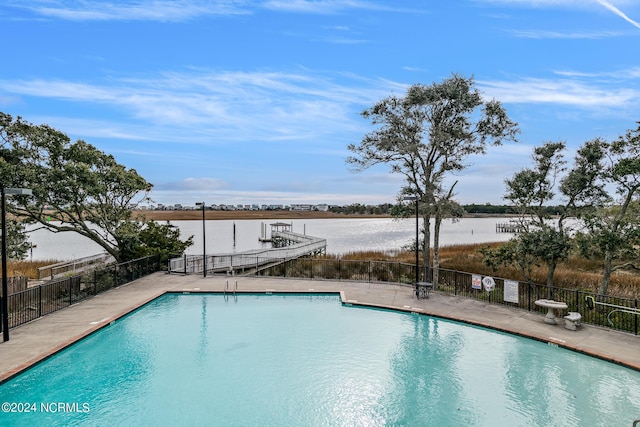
(297, 207)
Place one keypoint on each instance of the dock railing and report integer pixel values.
(50, 272)
(253, 259)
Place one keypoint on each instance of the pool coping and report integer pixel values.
(36, 341)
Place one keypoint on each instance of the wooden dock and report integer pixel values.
(276, 227)
(510, 227)
(289, 246)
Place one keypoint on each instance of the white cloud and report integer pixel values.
(132, 10)
(314, 6)
(618, 12)
(543, 34)
(573, 4)
(554, 3)
(332, 6)
(625, 74)
(221, 106)
(194, 184)
(182, 10)
(560, 91)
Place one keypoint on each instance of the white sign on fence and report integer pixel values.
(476, 281)
(511, 291)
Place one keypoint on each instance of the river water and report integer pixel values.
(342, 235)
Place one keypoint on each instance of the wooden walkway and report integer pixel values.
(80, 265)
(292, 245)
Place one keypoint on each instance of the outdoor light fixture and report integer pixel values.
(417, 241)
(204, 240)
(5, 279)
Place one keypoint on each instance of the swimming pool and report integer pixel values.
(306, 360)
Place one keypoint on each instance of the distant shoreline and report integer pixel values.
(195, 214)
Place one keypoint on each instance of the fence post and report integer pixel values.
(39, 300)
(70, 290)
(455, 283)
(635, 305)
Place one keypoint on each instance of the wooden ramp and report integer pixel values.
(291, 246)
(67, 268)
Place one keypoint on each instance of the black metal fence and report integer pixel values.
(337, 269)
(611, 312)
(38, 301)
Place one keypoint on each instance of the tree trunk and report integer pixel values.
(550, 273)
(436, 250)
(426, 245)
(606, 274)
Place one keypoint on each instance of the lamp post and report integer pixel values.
(5, 280)
(204, 240)
(417, 241)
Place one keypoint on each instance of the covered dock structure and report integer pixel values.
(290, 245)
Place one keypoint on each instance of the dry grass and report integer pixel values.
(27, 268)
(575, 273)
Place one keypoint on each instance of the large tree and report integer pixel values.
(76, 187)
(613, 232)
(544, 237)
(18, 244)
(429, 134)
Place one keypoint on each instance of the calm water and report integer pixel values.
(343, 235)
(309, 361)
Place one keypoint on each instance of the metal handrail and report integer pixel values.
(252, 258)
(591, 303)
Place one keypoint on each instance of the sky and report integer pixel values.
(256, 101)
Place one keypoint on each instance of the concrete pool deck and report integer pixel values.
(39, 339)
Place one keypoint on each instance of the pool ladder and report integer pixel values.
(226, 287)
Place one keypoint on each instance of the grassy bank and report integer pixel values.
(27, 268)
(575, 273)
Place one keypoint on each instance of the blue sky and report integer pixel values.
(256, 101)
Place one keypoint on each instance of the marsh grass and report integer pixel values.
(575, 273)
(27, 268)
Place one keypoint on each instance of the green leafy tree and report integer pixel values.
(514, 252)
(76, 187)
(141, 238)
(18, 244)
(614, 231)
(544, 237)
(429, 134)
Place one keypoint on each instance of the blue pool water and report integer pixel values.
(271, 360)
